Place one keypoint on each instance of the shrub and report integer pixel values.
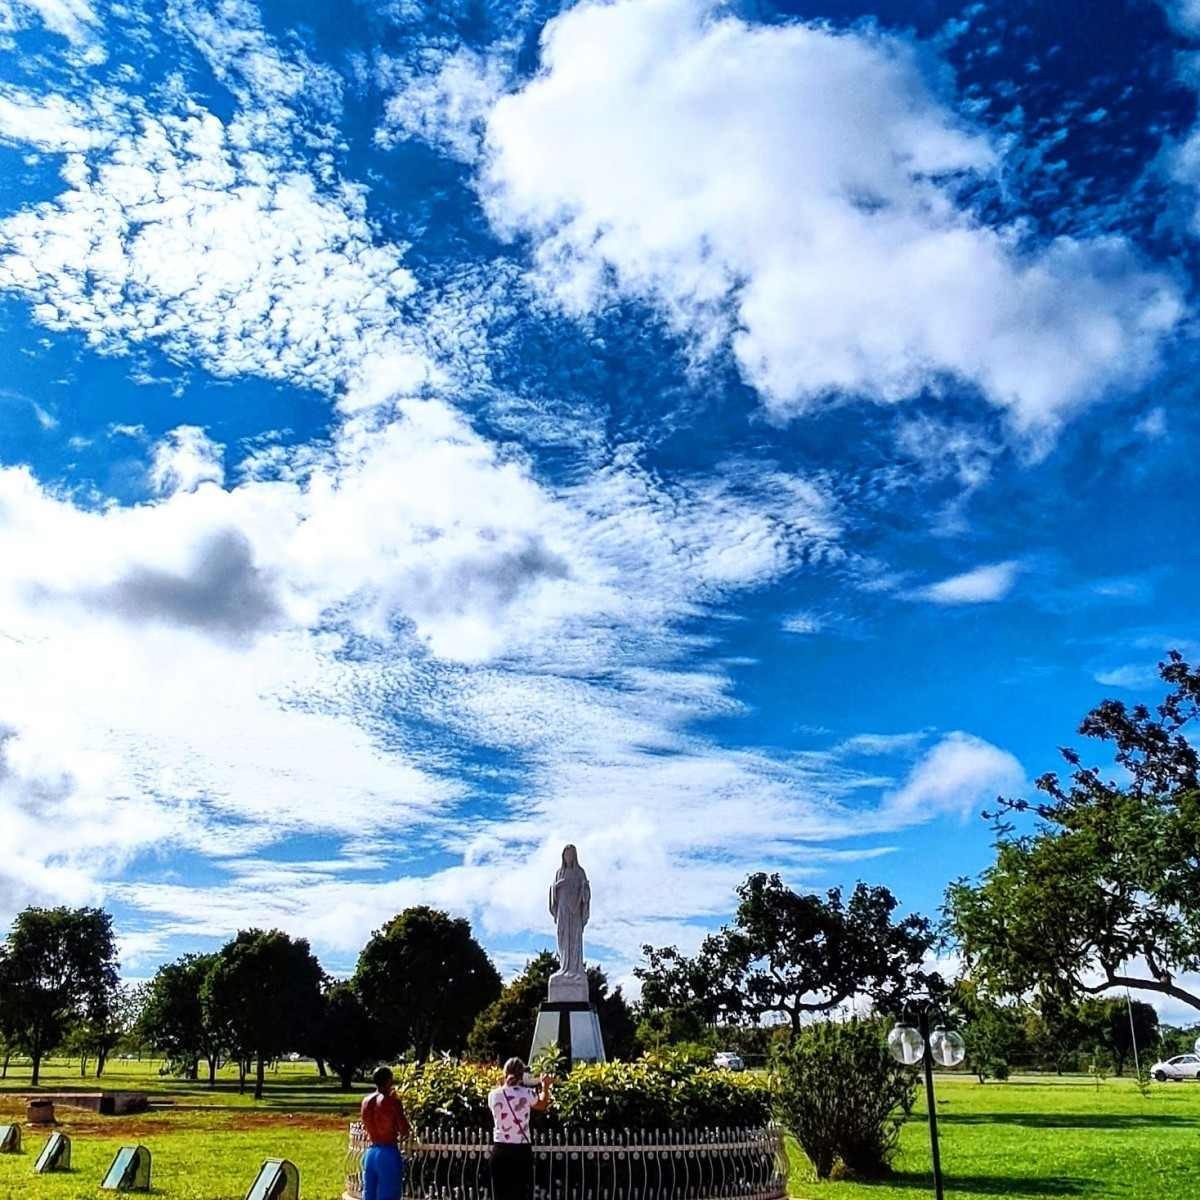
(444, 1092)
(659, 1091)
(998, 1069)
(837, 1092)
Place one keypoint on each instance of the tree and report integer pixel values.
(57, 966)
(106, 1022)
(682, 996)
(1105, 890)
(264, 990)
(994, 1033)
(347, 1036)
(174, 1019)
(789, 953)
(505, 1027)
(424, 980)
(1114, 1024)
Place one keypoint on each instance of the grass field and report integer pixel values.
(1026, 1139)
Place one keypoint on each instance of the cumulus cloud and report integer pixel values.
(184, 459)
(956, 775)
(791, 191)
(979, 586)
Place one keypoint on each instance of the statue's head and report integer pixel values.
(570, 857)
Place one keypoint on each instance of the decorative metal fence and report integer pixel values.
(595, 1164)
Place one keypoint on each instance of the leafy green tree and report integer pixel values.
(1114, 1024)
(994, 1033)
(174, 1019)
(425, 979)
(58, 965)
(1105, 890)
(264, 990)
(684, 995)
(791, 954)
(106, 1022)
(347, 1035)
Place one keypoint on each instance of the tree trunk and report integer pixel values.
(212, 1070)
(7, 1059)
(101, 1062)
(36, 1055)
(258, 1079)
(321, 1068)
(241, 1076)
(346, 1078)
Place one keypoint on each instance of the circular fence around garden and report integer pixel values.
(595, 1164)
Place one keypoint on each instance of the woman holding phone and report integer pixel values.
(513, 1105)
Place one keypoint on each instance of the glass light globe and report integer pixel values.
(947, 1047)
(906, 1045)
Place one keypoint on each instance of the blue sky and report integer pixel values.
(721, 436)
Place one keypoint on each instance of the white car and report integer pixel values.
(1182, 1066)
(729, 1060)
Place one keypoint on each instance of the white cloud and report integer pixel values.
(444, 100)
(956, 775)
(76, 20)
(803, 622)
(216, 252)
(791, 190)
(50, 122)
(1136, 677)
(1153, 424)
(184, 459)
(979, 586)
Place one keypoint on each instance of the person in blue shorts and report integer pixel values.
(384, 1123)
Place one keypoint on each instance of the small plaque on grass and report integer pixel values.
(277, 1179)
(10, 1139)
(55, 1155)
(130, 1171)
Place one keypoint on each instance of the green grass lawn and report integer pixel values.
(1042, 1136)
(1023, 1140)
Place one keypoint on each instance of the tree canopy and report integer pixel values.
(264, 991)
(58, 967)
(791, 953)
(424, 979)
(174, 1018)
(1104, 891)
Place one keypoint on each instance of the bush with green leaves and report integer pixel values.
(837, 1093)
(659, 1091)
(447, 1093)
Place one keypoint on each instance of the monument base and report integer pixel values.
(573, 1026)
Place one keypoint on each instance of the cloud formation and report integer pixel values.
(792, 192)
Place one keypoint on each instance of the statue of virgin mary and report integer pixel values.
(570, 906)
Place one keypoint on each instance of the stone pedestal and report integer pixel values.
(572, 1025)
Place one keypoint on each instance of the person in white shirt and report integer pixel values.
(513, 1105)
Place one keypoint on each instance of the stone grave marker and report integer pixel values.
(130, 1171)
(277, 1179)
(55, 1155)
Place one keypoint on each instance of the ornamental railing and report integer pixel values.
(595, 1164)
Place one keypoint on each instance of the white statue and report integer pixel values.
(570, 906)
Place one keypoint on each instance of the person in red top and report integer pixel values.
(384, 1123)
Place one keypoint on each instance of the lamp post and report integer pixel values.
(911, 1046)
